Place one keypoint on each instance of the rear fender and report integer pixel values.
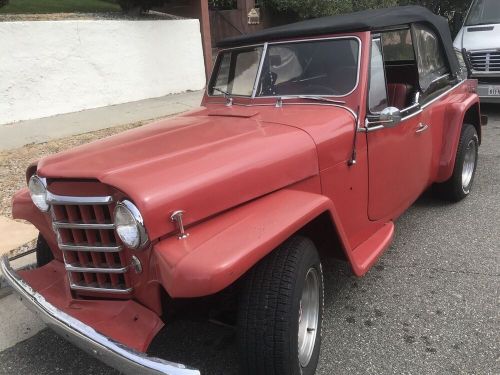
(456, 114)
(222, 249)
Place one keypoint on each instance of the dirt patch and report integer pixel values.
(13, 163)
(150, 16)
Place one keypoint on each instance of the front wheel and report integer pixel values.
(281, 310)
(460, 183)
(43, 253)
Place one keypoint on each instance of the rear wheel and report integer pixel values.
(460, 183)
(281, 310)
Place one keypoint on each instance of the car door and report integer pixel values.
(399, 156)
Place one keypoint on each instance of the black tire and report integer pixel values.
(268, 316)
(43, 253)
(454, 190)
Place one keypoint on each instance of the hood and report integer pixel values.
(479, 37)
(202, 163)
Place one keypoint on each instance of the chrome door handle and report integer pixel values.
(421, 128)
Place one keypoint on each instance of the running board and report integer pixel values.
(366, 254)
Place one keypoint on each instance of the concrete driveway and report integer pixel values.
(430, 305)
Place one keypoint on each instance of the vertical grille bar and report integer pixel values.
(91, 240)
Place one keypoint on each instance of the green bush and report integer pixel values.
(304, 9)
(3, 3)
(222, 4)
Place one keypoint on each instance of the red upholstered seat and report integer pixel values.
(398, 94)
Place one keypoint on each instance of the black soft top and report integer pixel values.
(367, 20)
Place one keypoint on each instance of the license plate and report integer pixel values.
(494, 91)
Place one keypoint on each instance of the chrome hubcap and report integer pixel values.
(308, 316)
(469, 165)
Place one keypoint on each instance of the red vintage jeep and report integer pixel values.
(312, 139)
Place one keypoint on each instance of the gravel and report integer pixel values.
(13, 163)
(150, 16)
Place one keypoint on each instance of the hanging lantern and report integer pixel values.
(254, 16)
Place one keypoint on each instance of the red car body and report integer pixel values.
(247, 176)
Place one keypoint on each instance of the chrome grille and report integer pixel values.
(485, 61)
(93, 255)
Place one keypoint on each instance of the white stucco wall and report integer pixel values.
(53, 67)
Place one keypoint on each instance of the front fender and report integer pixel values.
(222, 249)
(455, 116)
(24, 209)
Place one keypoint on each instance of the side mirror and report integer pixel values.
(390, 117)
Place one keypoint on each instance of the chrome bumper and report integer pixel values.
(112, 353)
(484, 95)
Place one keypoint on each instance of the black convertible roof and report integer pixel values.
(367, 20)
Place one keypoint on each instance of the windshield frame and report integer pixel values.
(469, 12)
(265, 46)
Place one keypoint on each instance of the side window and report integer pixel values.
(431, 62)
(398, 46)
(377, 97)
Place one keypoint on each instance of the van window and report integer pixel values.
(484, 12)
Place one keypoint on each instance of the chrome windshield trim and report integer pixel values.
(114, 354)
(60, 200)
(259, 72)
(360, 47)
(68, 225)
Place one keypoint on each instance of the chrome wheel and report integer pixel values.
(308, 316)
(469, 165)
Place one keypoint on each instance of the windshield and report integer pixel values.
(326, 67)
(484, 12)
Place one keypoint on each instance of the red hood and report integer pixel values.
(202, 163)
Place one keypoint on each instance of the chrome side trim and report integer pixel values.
(58, 200)
(73, 268)
(443, 94)
(68, 225)
(380, 127)
(100, 290)
(101, 249)
(114, 354)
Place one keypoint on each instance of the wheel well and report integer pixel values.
(472, 116)
(323, 233)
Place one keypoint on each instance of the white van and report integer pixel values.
(479, 38)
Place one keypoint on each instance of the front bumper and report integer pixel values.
(86, 338)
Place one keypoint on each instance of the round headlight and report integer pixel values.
(129, 225)
(38, 192)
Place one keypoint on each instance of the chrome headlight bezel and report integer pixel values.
(134, 220)
(37, 187)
